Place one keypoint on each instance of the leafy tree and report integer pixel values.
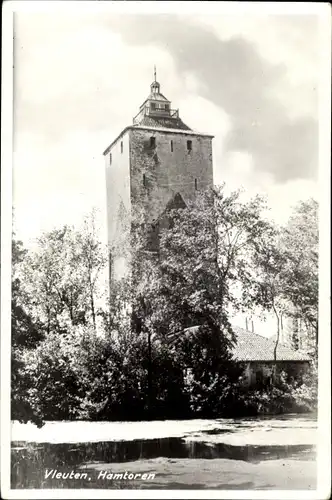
(55, 288)
(51, 286)
(115, 374)
(193, 279)
(56, 390)
(62, 277)
(25, 335)
(164, 346)
(300, 243)
(281, 275)
(266, 277)
(212, 379)
(25, 332)
(202, 253)
(282, 272)
(92, 257)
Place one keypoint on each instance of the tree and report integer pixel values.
(61, 277)
(56, 388)
(51, 284)
(25, 332)
(114, 371)
(300, 243)
(92, 257)
(282, 271)
(55, 290)
(193, 278)
(265, 277)
(202, 256)
(25, 335)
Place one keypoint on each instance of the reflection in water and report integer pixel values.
(29, 461)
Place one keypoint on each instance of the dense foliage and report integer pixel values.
(159, 344)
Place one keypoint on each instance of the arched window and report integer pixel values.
(189, 145)
(152, 142)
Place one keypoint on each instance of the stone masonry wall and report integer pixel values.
(167, 168)
(118, 204)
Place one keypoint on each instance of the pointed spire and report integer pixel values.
(155, 86)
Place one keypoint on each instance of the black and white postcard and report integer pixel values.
(165, 269)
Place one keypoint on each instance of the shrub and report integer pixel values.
(287, 395)
(118, 369)
(55, 390)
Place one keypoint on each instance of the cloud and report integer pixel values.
(234, 76)
(76, 75)
(53, 185)
(78, 81)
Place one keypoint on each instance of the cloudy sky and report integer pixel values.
(251, 80)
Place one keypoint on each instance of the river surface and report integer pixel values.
(256, 453)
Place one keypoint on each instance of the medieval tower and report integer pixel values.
(155, 161)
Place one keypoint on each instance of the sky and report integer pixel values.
(249, 79)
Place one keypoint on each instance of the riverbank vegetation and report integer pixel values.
(158, 344)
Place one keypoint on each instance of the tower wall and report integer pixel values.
(155, 161)
(168, 168)
(118, 204)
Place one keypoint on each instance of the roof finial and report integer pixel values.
(155, 73)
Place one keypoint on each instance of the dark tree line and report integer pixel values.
(159, 343)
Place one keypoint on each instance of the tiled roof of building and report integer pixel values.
(253, 347)
(163, 122)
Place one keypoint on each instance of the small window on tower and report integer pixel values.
(153, 105)
(121, 147)
(110, 158)
(152, 142)
(189, 145)
(167, 107)
(172, 146)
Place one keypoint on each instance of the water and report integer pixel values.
(175, 460)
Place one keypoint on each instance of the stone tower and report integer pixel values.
(155, 161)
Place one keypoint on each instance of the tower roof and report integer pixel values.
(156, 96)
(156, 114)
(160, 128)
(162, 122)
(156, 110)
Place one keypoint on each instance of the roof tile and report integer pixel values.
(253, 347)
(163, 122)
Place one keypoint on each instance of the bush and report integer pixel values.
(117, 384)
(212, 379)
(55, 390)
(83, 375)
(287, 395)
